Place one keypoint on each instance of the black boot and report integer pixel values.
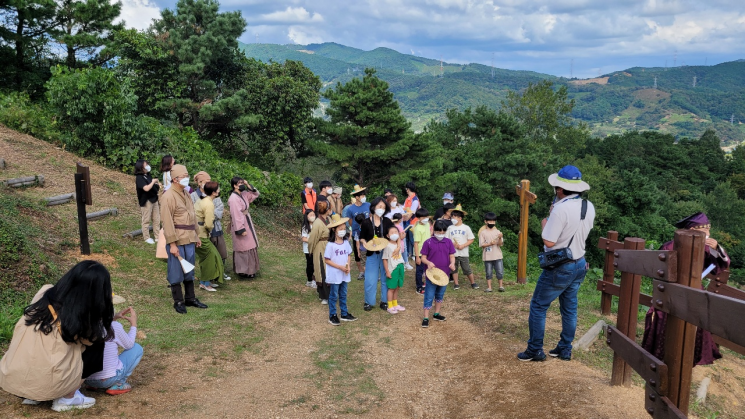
(191, 299)
(178, 299)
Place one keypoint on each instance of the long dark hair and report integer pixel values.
(166, 163)
(140, 167)
(306, 223)
(82, 300)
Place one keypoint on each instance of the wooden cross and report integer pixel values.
(526, 198)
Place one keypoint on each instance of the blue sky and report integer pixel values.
(539, 35)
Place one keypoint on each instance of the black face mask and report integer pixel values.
(491, 225)
(242, 188)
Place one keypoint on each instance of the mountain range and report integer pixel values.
(683, 101)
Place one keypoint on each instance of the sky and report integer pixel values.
(580, 38)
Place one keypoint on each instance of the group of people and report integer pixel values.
(192, 228)
(383, 236)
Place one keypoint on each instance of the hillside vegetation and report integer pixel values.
(622, 102)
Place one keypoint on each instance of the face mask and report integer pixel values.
(394, 204)
(309, 185)
(491, 225)
(147, 168)
(456, 221)
(329, 190)
(342, 232)
(242, 188)
(184, 182)
(363, 199)
(446, 202)
(425, 221)
(311, 219)
(439, 236)
(394, 237)
(379, 212)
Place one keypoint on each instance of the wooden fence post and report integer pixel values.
(526, 198)
(609, 274)
(628, 308)
(680, 337)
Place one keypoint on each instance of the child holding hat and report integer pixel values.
(491, 241)
(462, 238)
(393, 263)
(338, 258)
(422, 232)
(438, 254)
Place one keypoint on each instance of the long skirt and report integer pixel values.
(246, 262)
(210, 262)
(219, 242)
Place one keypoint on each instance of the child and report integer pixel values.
(437, 252)
(308, 219)
(117, 368)
(398, 221)
(422, 232)
(491, 240)
(338, 258)
(462, 237)
(393, 263)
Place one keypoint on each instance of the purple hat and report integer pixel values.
(695, 221)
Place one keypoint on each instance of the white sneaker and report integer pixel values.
(325, 302)
(78, 401)
(313, 284)
(214, 285)
(226, 277)
(309, 284)
(31, 402)
(408, 266)
(150, 241)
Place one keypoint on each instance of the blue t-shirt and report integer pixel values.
(352, 212)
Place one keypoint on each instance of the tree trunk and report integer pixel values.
(20, 50)
(71, 62)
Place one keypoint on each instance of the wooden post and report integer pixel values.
(680, 337)
(526, 198)
(628, 307)
(2, 163)
(606, 300)
(85, 247)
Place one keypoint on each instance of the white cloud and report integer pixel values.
(298, 35)
(139, 14)
(292, 15)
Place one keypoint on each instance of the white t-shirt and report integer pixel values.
(564, 223)
(305, 235)
(460, 234)
(398, 210)
(392, 253)
(339, 254)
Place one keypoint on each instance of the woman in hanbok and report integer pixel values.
(245, 242)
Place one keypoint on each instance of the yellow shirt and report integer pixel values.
(205, 212)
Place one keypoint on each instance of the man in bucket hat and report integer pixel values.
(566, 227)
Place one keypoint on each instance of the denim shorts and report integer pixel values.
(494, 267)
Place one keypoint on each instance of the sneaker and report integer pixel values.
(214, 285)
(527, 356)
(400, 308)
(564, 355)
(475, 286)
(207, 288)
(501, 289)
(439, 317)
(30, 402)
(314, 285)
(392, 310)
(78, 401)
(348, 318)
(383, 306)
(310, 283)
(488, 290)
(334, 320)
(118, 389)
(368, 307)
(150, 241)
(425, 323)
(408, 267)
(361, 276)
(420, 291)
(226, 277)
(325, 302)
(456, 287)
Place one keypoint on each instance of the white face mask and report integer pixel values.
(311, 219)
(363, 199)
(329, 190)
(425, 221)
(184, 182)
(394, 237)
(446, 202)
(309, 185)
(456, 221)
(379, 212)
(439, 236)
(394, 204)
(342, 232)
(147, 168)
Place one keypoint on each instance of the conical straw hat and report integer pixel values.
(438, 277)
(377, 244)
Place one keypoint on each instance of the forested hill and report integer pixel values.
(611, 103)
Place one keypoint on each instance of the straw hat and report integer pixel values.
(117, 299)
(457, 208)
(376, 244)
(357, 189)
(438, 277)
(336, 220)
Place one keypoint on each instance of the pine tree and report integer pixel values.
(24, 24)
(366, 133)
(85, 25)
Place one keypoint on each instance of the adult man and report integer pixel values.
(308, 195)
(568, 225)
(180, 232)
(410, 206)
(448, 198)
(326, 189)
(360, 206)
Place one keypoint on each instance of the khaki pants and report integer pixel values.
(151, 211)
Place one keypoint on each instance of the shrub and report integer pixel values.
(19, 113)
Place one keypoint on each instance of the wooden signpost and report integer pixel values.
(83, 198)
(526, 198)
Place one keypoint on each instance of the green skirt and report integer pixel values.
(210, 262)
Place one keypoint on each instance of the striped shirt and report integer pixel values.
(111, 362)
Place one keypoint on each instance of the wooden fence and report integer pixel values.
(676, 277)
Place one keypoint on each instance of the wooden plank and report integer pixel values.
(719, 314)
(722, 277)
(615, 290)
(609, 244)
(609, 272)
(651, 369)
(86, 172)
(729, 345)
(724, 289)
(628, 309)
(660, 407)
(657, 264)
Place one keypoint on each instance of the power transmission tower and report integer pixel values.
(492, 65)
(442, 69)
(571, 69)
(675, 58)
(732, 119)
(655, 82)
(257, 38)
(694, 81)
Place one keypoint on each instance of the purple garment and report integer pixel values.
(706, 351)
(438, 252)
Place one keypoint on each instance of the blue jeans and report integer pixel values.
(494, 267)
(433, 292)
(130, 358)
(338, 292)
(562, 283)
(375, 273)
(409, 238)
(420, 269)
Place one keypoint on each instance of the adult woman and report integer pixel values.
(317, 241)
(375, 226)
(166, 163)
(45, 360)
(147, 196)
(245, 243)
(210, 262)
(217, 236)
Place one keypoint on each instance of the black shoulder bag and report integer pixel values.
(554, 258)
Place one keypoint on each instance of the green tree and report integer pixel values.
(83, 26)
(365, 133)
(24, 24)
